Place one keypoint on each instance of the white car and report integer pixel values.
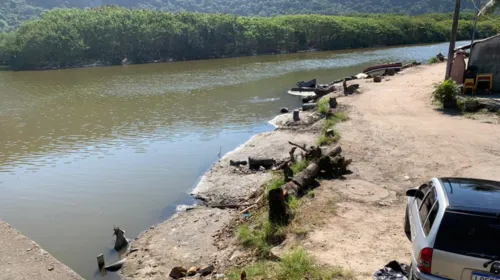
(454, 227)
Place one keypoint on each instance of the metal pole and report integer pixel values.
(453, 39)
(475, 25)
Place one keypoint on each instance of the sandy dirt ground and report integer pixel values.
(398, 140)
(21, 258)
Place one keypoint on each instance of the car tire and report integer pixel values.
(407, 225)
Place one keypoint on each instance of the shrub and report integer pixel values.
(433, 60)
(446, 91)
(323, 106)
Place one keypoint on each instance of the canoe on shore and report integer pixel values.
(309, 84)
(383, 67)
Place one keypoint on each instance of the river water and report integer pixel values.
(82, 150)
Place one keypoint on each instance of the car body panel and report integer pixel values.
(445, 265)
(456, 266)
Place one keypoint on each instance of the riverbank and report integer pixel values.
(397, 139)
(22, 258)
(205, 235)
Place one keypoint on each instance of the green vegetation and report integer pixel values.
(296, 265)
(311, 194)
(262, 236)
(106, 35)
(464, 104)
(323, 106)
(275, 183)
(433, 60)
(325, 138)
(12, 12)
(299, 166)
(446, 92)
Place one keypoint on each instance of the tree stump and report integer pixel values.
(278, 214)
(120, 241)
(333, 102)
(296, 116)
(377, 79)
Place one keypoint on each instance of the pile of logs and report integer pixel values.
(328, 162)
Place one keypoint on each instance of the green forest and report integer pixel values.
(106, 35)
(12, 12)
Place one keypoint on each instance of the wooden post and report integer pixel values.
(277, 207)
(100, 261)
(308, 106)
(453, 39)
(333, 102)
(296, 115)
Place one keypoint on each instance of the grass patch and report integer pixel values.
(323, 106)
(296, 265)
(275, 183)
(324, 139)
(293, 203)
(300, 232)
(329, 123)
(299, 166)
(311, 194)
(433, 60)
(262, 237)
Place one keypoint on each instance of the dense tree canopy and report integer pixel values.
(12, 12)
(69, 37)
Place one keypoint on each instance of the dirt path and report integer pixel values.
(397, 140)
(21, 258)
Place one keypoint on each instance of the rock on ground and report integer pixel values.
(21, 258)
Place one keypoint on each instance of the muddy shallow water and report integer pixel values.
(82, 150)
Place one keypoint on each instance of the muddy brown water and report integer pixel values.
(82, 150)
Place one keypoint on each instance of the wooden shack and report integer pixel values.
(485, 57)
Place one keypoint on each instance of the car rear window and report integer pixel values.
(469, 234)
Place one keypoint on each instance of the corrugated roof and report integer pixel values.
(466, 47)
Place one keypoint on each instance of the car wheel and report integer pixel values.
(407, 225)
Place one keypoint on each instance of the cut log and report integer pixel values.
(287, 173)
(278, 214)
(332, 152)
(308, 106)
(306, 177)
(302, 180)
(377, 79)
(256, 163)
(237, 162)
(314, 152)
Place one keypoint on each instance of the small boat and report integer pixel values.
(303, 89)
(309, 84)
(383, 67)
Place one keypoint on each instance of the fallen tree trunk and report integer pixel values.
(302, 180)
(256, 163)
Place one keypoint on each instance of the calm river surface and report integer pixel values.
(82, 150)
